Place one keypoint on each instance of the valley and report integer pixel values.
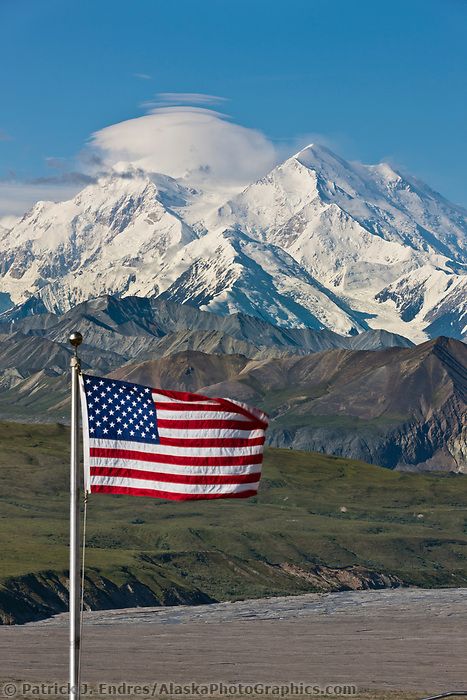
(319, 523)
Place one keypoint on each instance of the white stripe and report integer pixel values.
(199, 399)
(171, 487)
(200, 415)
(179, 451)
(209, 433)
(175, 468)
(256, 412)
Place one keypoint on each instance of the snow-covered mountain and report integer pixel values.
(318, 242)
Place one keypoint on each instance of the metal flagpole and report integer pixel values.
(74, 690)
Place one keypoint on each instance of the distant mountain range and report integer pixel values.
(318, 243)
(397, 407)
(372, 396)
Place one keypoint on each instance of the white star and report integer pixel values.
(131, 433)
(98, 424)
(119, 420)
(102, 393)
(91, 417)
(125, 425)
(101, 383)
(109, 399)
(91, 430)
(88, 381)
(119, 432)
(97, 411)
(105, 431)
(112, 424)
(153, 436)
(95, 386)
(105, 418)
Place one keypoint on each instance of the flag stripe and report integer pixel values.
(209, 433)
(182, 446)
(175, 478)
(208, 424)
(174, 487)
(163, 406)
(212, 442)
(175, 468)
(159, 396)
(168, 495)
(205, 416)
(176, 459)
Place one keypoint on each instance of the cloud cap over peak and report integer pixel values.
(194, 143)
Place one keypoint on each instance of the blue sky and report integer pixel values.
(373, 80)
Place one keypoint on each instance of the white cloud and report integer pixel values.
(17, 197)
(184, 98)
(9, 221)
(194, 143)
(185, 141)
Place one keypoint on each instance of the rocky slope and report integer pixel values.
(371, 396)
(400, 408)
(34, 352)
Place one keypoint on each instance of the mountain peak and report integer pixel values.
(316, 148)
(316, 154)
(319, 241)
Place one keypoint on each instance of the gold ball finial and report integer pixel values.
(75, 339)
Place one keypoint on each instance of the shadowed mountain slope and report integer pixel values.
(398, 407)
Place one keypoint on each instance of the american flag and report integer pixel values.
(168, 444)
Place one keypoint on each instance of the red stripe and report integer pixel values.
(189, 406)
(175, 459)
(176, 478)
(208, 424)
(212, 442)
(170, 496)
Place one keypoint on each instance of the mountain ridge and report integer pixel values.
(374, 396)
(346, 402)
(318, 242)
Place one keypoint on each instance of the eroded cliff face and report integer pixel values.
(38, 596)
(457, 446)
(418, 445)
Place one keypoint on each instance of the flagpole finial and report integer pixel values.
(75, 339)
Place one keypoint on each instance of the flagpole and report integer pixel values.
(74, 690)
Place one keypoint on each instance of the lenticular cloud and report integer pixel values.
(197, 144)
